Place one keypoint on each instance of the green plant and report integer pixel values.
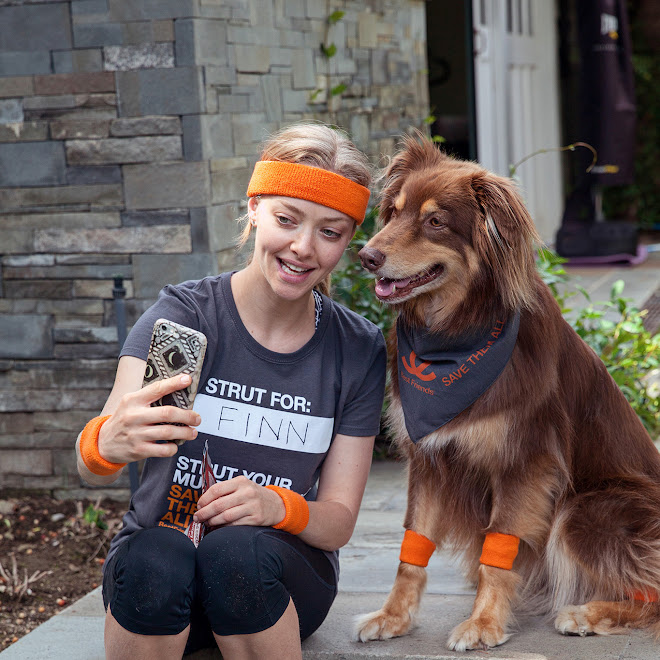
(569, 147)
(353, 286)
(615, 331)
(629, 352)
(94, 516)
(329, 50)
(428, 120)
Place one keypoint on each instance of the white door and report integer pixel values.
(517, 100)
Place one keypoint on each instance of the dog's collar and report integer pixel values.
(440, 377)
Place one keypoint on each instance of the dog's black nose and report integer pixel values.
(371, 258)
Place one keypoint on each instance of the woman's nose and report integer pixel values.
(303, 243)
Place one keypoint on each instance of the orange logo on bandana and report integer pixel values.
(417, 369)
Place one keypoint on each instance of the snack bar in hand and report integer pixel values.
(196, 530)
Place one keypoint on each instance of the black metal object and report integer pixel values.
(119, 295)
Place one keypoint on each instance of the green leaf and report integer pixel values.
(329, 51)
(617, 289)
(336, 16)
(338, 89)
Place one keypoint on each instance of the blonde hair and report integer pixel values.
(317, 145)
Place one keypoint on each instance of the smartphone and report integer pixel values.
(175, 349)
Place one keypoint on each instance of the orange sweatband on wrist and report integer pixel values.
(89, 449)
(273, 177)
(297, 510)
(499, 550)
(416, 549)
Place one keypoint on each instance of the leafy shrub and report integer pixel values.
(353, 286)
(615, 330)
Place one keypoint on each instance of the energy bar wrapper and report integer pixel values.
(196, 530)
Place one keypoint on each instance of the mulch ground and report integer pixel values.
(51, 554)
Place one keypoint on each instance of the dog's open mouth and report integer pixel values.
(390, 290)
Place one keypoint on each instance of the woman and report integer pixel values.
(289, 401)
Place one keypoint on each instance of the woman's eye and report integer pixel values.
(283, 220)
(330, 233)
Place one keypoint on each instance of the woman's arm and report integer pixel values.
(332, 516)
(134, 428)
(343, 478)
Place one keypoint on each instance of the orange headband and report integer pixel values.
(272, 177)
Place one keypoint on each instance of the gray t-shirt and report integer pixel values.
(268, 416)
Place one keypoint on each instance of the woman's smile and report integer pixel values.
(292, 269)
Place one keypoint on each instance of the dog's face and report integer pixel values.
(450, 230)
(426, 241)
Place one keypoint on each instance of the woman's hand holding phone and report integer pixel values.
(138, 430)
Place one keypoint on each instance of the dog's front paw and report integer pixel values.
(382, 624)
(572, 620)
(476, 634)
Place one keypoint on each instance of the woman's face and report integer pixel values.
(297, 242)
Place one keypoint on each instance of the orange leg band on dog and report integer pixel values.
(297, 510)
(416, 549)
(499, 550)
(89, 449)
(650, 596)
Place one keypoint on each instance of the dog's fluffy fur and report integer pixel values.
(551, 452)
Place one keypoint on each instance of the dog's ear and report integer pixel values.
(506, 238)
(416, 152)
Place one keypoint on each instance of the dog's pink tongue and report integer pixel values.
(385, 287)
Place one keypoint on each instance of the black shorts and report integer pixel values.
(238, 581)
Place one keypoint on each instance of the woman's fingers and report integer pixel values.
(239, 501)
(169, 415)
(147, 395)
(217, 491)
(136, 428)
(224, 501)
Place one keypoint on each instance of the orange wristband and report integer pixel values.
(416, 549)
(89, 449)
(297, 510)
(499, 550)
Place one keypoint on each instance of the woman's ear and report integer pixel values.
(253, 202)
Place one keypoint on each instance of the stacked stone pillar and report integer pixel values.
(128, 130)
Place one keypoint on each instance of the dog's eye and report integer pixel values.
(434, 221)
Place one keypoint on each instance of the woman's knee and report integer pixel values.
(152, 583)
(238, 580)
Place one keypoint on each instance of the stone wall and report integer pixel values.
(128, 130)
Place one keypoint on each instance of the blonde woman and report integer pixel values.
(289, 401)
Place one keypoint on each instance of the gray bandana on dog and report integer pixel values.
(441, 377)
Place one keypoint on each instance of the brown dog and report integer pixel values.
(540, 446)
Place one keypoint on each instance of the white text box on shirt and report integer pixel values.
(244, 422)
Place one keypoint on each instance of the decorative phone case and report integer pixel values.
(175, 350)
